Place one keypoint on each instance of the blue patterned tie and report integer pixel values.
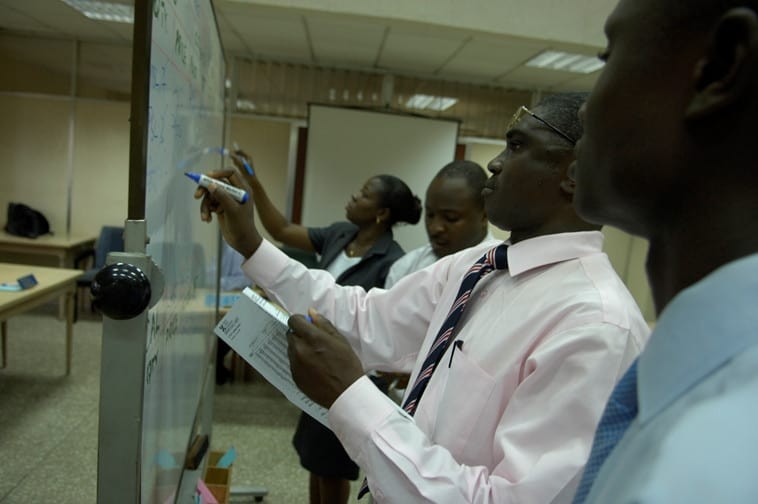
(495, 258)
(619, 413)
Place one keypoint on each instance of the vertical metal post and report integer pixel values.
(124, 341)
(140, 114)
(71, 135)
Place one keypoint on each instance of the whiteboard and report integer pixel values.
(186, 115)
(182, 116)
(347, 146)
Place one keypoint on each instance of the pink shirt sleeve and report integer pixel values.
(385, 328)
(552, 392)
(542, 439)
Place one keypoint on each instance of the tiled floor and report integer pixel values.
(48, 422)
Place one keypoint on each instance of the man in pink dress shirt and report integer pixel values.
(509, 414)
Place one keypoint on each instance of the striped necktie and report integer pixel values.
(619, 413)
(495, 258)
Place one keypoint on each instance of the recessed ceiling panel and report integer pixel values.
(419, 51)
(229, 37)
(344, 41)
(269, 33)
(67, 20)
(277, 32)
(13, 19)
(490, 58)
(123, 30)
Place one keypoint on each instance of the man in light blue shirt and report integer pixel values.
(668, 153)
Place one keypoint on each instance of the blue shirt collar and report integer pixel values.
(700, 330)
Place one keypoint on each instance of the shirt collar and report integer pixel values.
(428, 250)
(700, 330)
(553, 248)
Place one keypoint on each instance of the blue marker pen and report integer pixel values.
(243, 158)
(204, 181)
(247, 166)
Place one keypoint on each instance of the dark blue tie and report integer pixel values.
(495, 258)
(619, 413)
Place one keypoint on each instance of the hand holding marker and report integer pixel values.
(244, 160)
(204, 181)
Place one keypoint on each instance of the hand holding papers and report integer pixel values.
(257, 331)
(323, 363)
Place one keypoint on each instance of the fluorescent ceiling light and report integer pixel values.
(421, 102)
(103, 11)
(557, 60)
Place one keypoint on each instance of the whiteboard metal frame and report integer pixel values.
(122, 379)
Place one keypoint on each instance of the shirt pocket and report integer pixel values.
(463, 409)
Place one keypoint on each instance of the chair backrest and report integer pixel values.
(111, 239)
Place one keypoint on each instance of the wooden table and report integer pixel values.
(53, 283)
(63, 248)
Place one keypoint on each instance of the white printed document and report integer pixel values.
(257, 330)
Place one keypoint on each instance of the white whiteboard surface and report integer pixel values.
(347, 146)
(156, 388)
(186, 115)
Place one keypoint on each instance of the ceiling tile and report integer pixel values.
(123, 30)
(279, 32)
(345, 41)
(229, 37)
(267, 32)
(418, 51)
(13, 19)
(490, 58)
(67, 20)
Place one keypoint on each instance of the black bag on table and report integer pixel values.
(25, 221)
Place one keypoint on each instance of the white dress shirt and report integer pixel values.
(694, 439)
(508, 418)
(342, 263)
(416, 259)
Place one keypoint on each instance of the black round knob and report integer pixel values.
(121, 291)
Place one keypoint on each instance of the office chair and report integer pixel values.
(111, 239)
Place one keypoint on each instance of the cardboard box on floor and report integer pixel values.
(218, 479)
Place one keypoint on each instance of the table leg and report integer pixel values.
(69, 302)
(4, 342)
(62, 304)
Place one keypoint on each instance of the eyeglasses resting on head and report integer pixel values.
(522, 110)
